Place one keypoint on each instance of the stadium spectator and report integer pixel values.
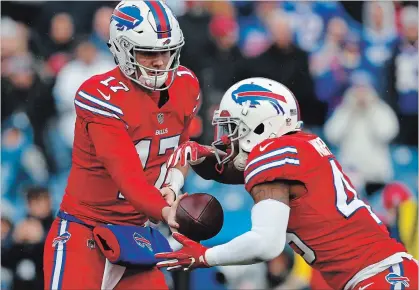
(194, 24)
(59, 39)
(327, 65)
(403, 79)
(39, 206)
(100, 34)
(6, 243)
(24, 257)
(25, 249)
(362, 127)
(379, 37)
(25, 91)
(87, 62)
(279, 271)
(22, 162)
(287, 64)
(402, 215)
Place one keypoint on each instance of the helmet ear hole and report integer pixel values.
(259, 129)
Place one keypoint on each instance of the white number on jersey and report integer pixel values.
(320, 147)
(184, 72)
(115, 88)
(143, 149)
(308, 254)
(347, 209)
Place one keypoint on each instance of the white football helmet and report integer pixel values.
(146, 26)
(252, 111)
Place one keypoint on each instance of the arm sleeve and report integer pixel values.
(265, 241)
(115, 149)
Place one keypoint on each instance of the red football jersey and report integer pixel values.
(119, 104)
(329, 226)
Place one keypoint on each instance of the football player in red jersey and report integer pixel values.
(129, 121)
(302, 197)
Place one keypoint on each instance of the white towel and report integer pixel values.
(111, 275)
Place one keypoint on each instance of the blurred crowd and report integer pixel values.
(353, 66)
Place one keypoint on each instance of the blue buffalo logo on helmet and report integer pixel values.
(63, 238)
(127, 17)
(255, 94)
(394, 279)
(141, 241)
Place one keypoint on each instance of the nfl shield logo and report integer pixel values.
(160, 118)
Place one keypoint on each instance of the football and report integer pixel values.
(200, 216)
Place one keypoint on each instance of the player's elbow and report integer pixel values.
(272, 247)
(269, 223)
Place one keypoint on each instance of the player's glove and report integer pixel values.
(191, 152)
(190, 257)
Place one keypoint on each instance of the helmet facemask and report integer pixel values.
(150, 78)
(228, 131)
(234, 132)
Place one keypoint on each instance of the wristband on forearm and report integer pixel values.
(176, 180)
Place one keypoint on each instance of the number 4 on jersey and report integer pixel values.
(346, 205)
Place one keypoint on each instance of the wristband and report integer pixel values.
(176, 180)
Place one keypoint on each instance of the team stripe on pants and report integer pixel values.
(397, 269)
(59, 258)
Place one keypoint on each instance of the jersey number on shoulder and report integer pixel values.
(114, 88)
(345, 204)
(143, 149)
(184, 72)
(347, 201)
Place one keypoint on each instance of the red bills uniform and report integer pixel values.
(118, 128)
(333, 230)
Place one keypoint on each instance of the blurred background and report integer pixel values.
(353, 66)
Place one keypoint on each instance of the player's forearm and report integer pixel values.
(265, 241)
(176, 178)
(229, 175)
(115, 149)
(183, 169)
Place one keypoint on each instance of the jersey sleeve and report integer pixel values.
(193, 100)
(115, 150)
(92, 107)
(275, 159)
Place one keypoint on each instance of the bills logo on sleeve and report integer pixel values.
(141, 241)
(394, 279)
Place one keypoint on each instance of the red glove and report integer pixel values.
(188, 151)
(191, 256)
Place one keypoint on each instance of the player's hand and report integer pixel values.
(192, 152)
(190, 257)
(168, 194)
(169, 213)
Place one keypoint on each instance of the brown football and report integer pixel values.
(200, 216)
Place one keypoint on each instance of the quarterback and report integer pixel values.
(302, 197)
(129, 121)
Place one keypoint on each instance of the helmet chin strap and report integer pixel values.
(240, 160)
(149, 82)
